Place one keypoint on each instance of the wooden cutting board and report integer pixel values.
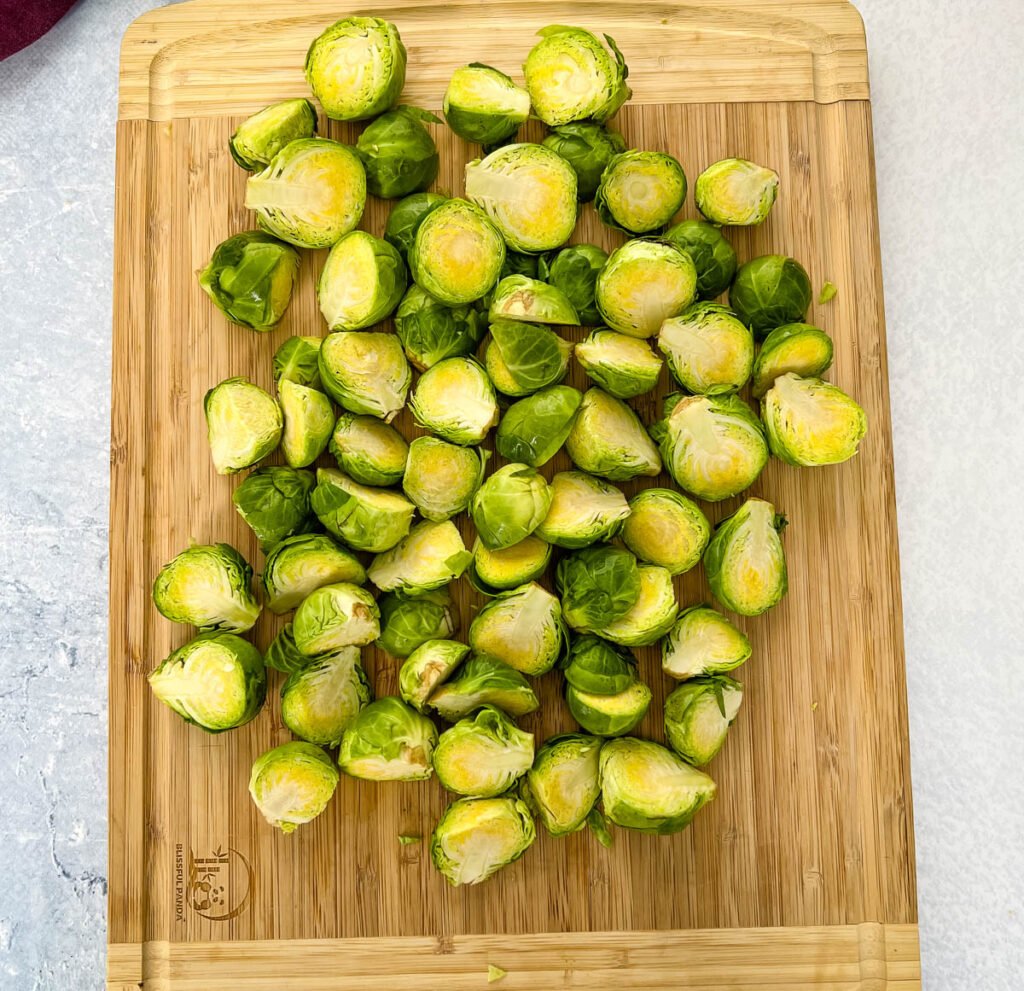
(801, 874)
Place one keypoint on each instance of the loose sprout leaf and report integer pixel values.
(828, 292)
(598, 825)
(407, 840)
(494, 973)
(419, 113)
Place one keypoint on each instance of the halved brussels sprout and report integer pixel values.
(484, 105)
(298, 360)
(702, 642)
(533, 429)
(597, 585)
(457, 253)
(709, 351)
(713, 256)
(811, 422)
(653, 613)
(510, 567)
(216, 681)
(574, 271)
(406, 621)
(640, 191)
(522, 357)
(398, 153)
(207, 585)
(647, 787)
(367, 519)
(608, 439)
(356, 68)
(388, 741)
(596, 667)
(588, 147)
(713, 446)
(583, 510)
(308, 421)
(510, 505)
(301, 564)
(745, 563)
(667, 529)
(432, 555)
(571, 76)
(455, 399)
(518, 297)
(319, 702)
(369, 450)
(794, 347)
(440, 478)
(770, 291)
(529, 192)
(643, 284)
(250, 279)
(274, 502)
(522, 627)
(292, 784)
(257, 140)
(426, 668)
(562, 785)
(476, 837)
(335, 616)
(484, 681)
(609, 715)
(365, 372)
(430, 331)
(622, 365)
(362, 281)
(735, 192)
(405, 218)
(483, 755)
(282, 654)
(243, 424)
(698, 716)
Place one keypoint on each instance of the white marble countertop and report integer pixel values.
(948, 92)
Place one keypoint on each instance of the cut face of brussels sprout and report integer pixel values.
(563, 782)
(298, 565)
(398, 153)
(736, 192)
(510, 505)
(406, 621)
(207, 586)
(484, 105)
(308, 421)
(318, 702)
(623, 366)
(312, 192)
(770, 291)
(250, 279)
(708, 350)
(216, 681)
(440, 478)
(274, 502)
(640, 191)
(298, 360)
(512, 566)
(455, 399)
(574, 271)
(432, 555)
(365, 372)
(335, 616)
(282, 654)
(243, 424)
(653, 613)
(356, 68)
(667, 529)
(365, 518)
(647, 787)
(405, 219)
(583, 510)
(533, 429)
(426, 668)
(519, 297)
(292, 784)
(608, 439)
(484, 681)
(362, 281)
(483, 755)
(643, 284)
(794, 347)
(713, 446)
(698, 716)
(522, 627)
(370, 451)
(713, 256)
(430, 331)
(571, 76)
(478, 836)
(597, 585)
(258, 139)
(609, 715)
(388, 741)
(597, 667)
(811, 422)
(702, 642)
(522, 357)
(588, 147)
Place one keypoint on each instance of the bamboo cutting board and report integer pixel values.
(800, 875)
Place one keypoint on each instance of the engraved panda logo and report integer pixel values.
(220, 884)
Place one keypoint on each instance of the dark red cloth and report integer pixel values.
(22, 21)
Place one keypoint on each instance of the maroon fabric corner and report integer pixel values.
(23, 21)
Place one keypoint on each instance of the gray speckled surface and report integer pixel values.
(948, 87)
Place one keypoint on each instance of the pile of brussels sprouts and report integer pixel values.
(476, 285)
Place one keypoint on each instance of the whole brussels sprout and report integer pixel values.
(369, 450)
(698, 716)
(667, 529)
(365, 372)
(713, 256)
(426, 668)
(365, 518)
(432, 555)
(301, 564)
(243, 424)
(207, 585)
(319, 701)
(509, 567)
(583, 510)
(640, 191)
(257, 140)
(398, 153)
(282, 654)
(574, 271)
(308, 421)
(770, 291)
(484, 105)
(484, 681)
(598, 585)
(736, 192)
(406, 621)
(588, 147)
(597, 667)
(430, 331)
(522, 627)
(623, 366)
(702, 642)
(516, 263)
(533, 429)
(362, 281)
(476, 837)
(440, 478)
(292, 784)
(483, 755)
(509, 505)
(274, 502)
(518, 297)
(455, 399)
(708, 350)
(794, 347)
(608, 439)
(298, 360)
(388, 741)
(609, 715)
(562, 786)
(335, 616)
(405, 218)
(522, 357)
(653, 613)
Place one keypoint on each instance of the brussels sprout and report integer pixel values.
(667, 529)
(509, 567)
(702, 642)
(522, 357)
(529, 192)
(643, 284)
(653, 613)
(432, 555)
(405, 218)
(243, 424)
(647, 787)
(713, 256)
(533, 430)
(298, 360)
(292, 784)
(312, 193)
(250, 279)
(365, 372)
(713, 446)
(519, 297)
(609, 715)
(257, 140)
(811, 422)
(430, 331)
(301, 564)
(770, 291)
(574, 271)
(457, 253)
(476, 837)
(623, 366)
(522, 627)
(318, 702)
(744, 563)
(406, 621)
(516, 263)
(455, 399)
(484, 105)
(736, 192)
(588, 147)
(484, 681)
(571, 76)
(708, 350)
(308, 421)
(356, 68)
(598, 585)
(608, 439)
(483, 755)
(367, 519)
(426, 668)
(207, 585)
(794, 347)
(398, 153)
(583, 510)
(562, 786)
(368, 450)
(335, 616)
(216, 681)
(509, 505)
(388, 741)
(282, 654)
(362, 281)
(596, 667)
(640, 191)
(274, 502)
(440, 478)
(698, 716)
